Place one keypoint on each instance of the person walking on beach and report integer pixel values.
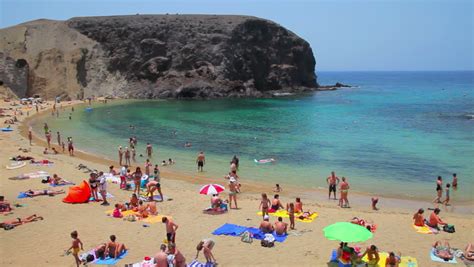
(264, 204)
(75, 247)
(127, 156)
(439, 190)
(332, 181)
(59, 138)
(344, 189)
(446, 201)
(48, 138)
(30, 136)
(70, 146)
(171, 228)
(201, 160)
(149, 150)
(120, 154)
(232, 192)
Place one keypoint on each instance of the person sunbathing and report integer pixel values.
(372, 255)
(392, 260)
(7, 225)
(418, 218)
(469, 252)
(144, 210)
(216, 202)
(114, 249)
(276, 204)
(21, 158)
(370, 226)
(435, 220)
(306, 215)
(443, 251)
(34, 193)
(265, 225)
(56, 180)
(133, 204)
(4, 205)
(280, 227)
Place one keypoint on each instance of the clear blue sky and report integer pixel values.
(344, 34)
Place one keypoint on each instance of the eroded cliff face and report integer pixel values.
(160, 56)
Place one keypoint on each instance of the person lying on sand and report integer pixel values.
(265, 225)
(21, 158)
(7, 225)
(370, 226)
(4, 205)
(443, 251)
(56, 180)
(469, 252)
(32, 193)
(280, 227)
(114, 249)
(306, 215)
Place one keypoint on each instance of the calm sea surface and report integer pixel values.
(392, 135)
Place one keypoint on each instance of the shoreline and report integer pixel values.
(318, 194)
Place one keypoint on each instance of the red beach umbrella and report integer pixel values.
(211, 189)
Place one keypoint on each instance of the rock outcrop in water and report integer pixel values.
(159, 56)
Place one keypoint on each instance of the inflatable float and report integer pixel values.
(264, 161)
(15, 165)
(7, 129)
(78, 193)
(89, 109)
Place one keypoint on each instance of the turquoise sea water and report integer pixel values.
(393, 134)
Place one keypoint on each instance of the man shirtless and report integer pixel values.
(147, 209)
(171, 228)
(265, 225)
(276, 203)
(332, 181)
(161, 257)
(178, 259)
(201, 160)
(114, 249)
(280, 226)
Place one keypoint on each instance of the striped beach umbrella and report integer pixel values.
(211, 189)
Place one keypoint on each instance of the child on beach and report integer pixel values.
(291, 214)
(446, 201)
(75, 247)
(117, 211)
(455, 181)
(264, 204)
(277, 188)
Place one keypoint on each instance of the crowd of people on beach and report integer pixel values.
(145, 182)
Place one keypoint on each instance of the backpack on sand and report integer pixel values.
(246, 237)
(449, 228)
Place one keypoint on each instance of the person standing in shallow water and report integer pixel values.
(127, 157)
(332, 181)
(439, 190)
(120, 154)
(201, 160)
(59, 138)
(455, 181)
(149, 150)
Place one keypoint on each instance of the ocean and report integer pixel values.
(391, 135)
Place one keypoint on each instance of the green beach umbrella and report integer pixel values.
(347, 232)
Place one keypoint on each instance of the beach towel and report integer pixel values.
(438, 259)
(110, 261)
(22, 195)
(196, 263)
(425, 229)
(406, 261)
(145, 198)
(237, 230)
(67, 183)
(212, 211)
(284, 214)
(150, 219)
(109, 195)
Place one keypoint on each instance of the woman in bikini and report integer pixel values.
(264, 204)
(7, 225)
(93, 184)
(137, 176)
(114, 249)
(298, 205)
(439, 190)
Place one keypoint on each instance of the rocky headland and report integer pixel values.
(154, 56)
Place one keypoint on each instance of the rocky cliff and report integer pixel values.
(155, 56)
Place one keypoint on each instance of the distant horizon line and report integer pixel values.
(394, 70)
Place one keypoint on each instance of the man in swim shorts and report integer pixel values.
(171, 228)
(332, 181)
(201, 160)
(280, 226)
(265, 225)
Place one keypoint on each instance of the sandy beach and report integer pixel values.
(43, 243)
